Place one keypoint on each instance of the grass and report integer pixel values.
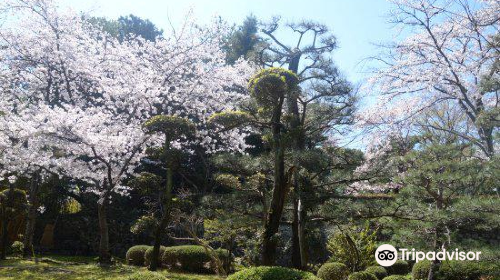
(73, 268)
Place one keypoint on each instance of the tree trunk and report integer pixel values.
(104, 255)
(5, 232)
(437, 235)
(302, 234)
(279, 192)
(5, 222)
(296, 262)
(31, 217)
(487, 135)
(155, 258)
(299, 245)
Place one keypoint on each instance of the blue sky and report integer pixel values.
(356, 23)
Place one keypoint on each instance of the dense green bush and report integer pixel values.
(135, 255)
(17, 248)
(354, 247)
(460, 270)
(333, 271)
(149, 253)
(457, 270)
(395, 277)
(193, 258)
(146, 275)
(362, 275)
(378, 271)
(272, 273)
(399, 268)
(421, 270)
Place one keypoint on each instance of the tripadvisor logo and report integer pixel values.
(387, 255)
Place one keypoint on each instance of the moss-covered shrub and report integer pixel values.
(421, 270)
(149, 253)
(333, 271)
(135, 255)
(193, 258)
(362, 275)
(456, 270)
(378, 271)
(395, 277)
(400, 267)
(146, 275)
(272, 273)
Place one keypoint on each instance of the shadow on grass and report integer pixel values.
(78, 268)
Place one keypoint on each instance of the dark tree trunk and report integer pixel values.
(104, 255)
(5, 222)
(296, 262)
(299, 245)
(302, 234)
(5, 239)
(487, 136)
(438, 232)
(155, 258)
(279, 192)
(32, 215)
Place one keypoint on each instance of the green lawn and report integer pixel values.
(71, 268)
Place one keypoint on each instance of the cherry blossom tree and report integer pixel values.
(449, 48)
(79, 96)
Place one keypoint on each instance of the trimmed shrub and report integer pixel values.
(452, 270)
(193, 258)
(17, 248)
(146, 275)
(400, 267)
(395, 277)
(490, 270)
(333, 271)
(421, 270)
(378, 271)
(135, 255)
(149, 253)
(455, 270)
(272, 273)
(362, 275)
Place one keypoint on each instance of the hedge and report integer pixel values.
(149, 253)
(272, 273)
(333, 271)
(362, 275)
(399, 268)
(395, 277)
(135, 255)
(378, 271)
(193, 258)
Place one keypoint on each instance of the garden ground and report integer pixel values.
(72, 268)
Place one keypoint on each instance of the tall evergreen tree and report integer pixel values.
(244, 41)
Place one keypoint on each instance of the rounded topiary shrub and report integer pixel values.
(362, 275)
(395, 277)
(193, 258)
(146, 275)
(333, 271)
(272, 273)
(421, 270)
(378, 271)
(149, 253)
(135, 255)
(400, 267)
(456, 270)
